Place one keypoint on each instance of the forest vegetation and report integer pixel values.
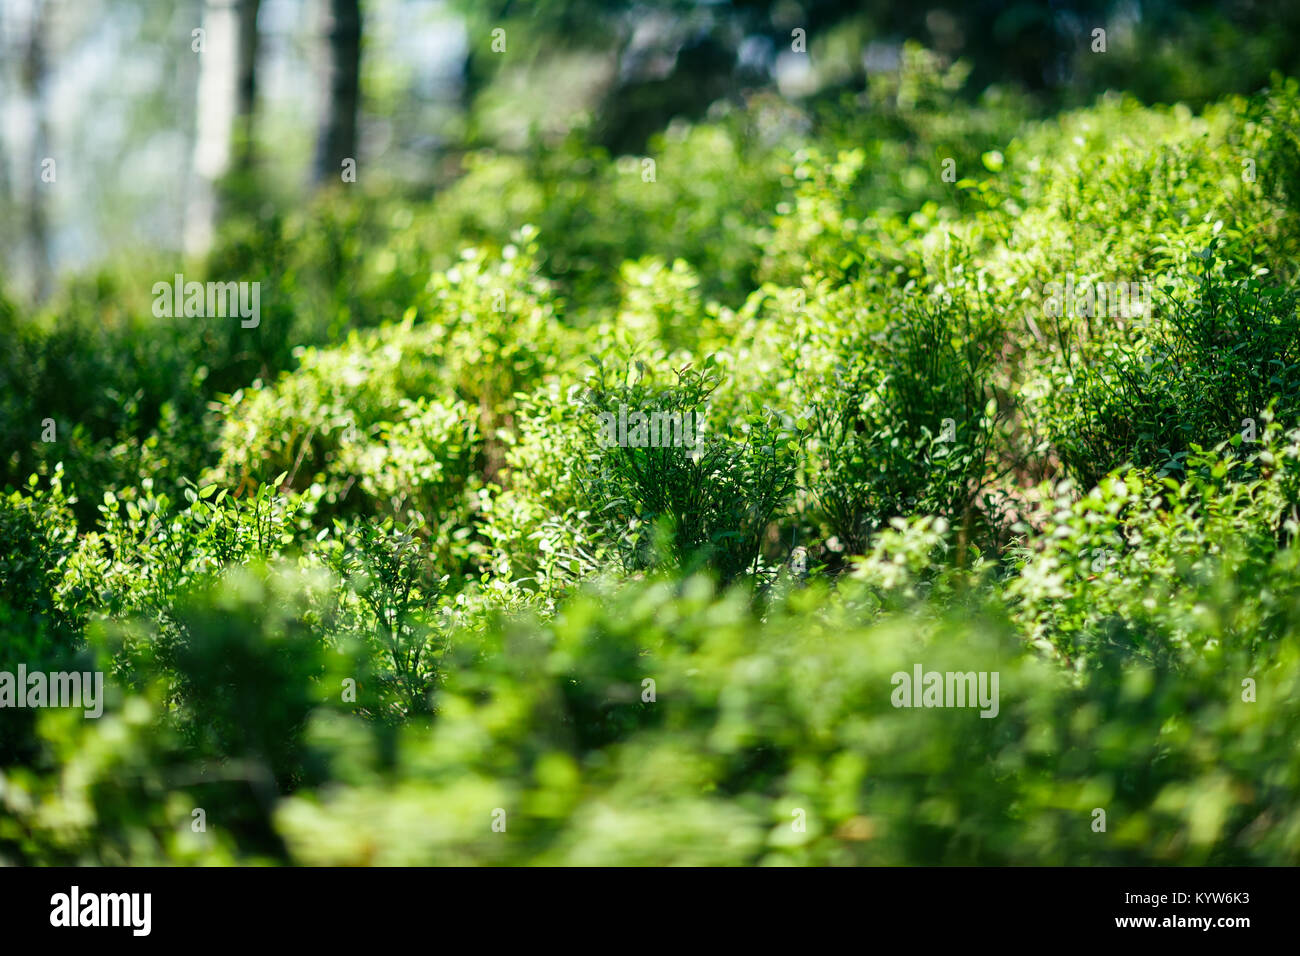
(594, 500)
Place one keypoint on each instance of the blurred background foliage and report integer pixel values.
(365, 580)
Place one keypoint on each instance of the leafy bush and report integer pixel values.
(905, 423)
(1207, 371)
(695, 498)
(37, 540)
(422, 573)
(386, 599)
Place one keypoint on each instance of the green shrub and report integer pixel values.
(37, 539)
(904, 425)
(543, 535)
(1205, 371)
(400, 579)
(668, 487)
(386, 600)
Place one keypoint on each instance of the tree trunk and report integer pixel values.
(7, 197)
(337, 140)
(225, 105)
(246, 82)
(35, 73)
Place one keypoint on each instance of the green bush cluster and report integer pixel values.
(372, 584)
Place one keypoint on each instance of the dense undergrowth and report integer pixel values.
(372, 584)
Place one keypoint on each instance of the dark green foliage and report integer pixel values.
(1206, 373)
(388, 599)
(247, 667)
(698, 498)
(37, 629)
(905, 423)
